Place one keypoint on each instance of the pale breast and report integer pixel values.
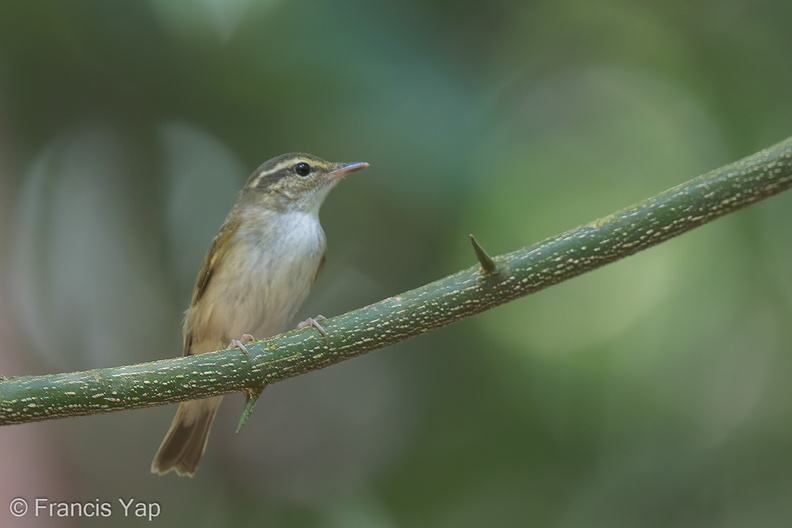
(263, 282)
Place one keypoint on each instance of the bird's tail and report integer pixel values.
(185, 442)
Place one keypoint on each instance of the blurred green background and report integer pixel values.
(653, 392)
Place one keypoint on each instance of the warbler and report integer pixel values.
(255, 275)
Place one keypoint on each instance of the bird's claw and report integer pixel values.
(314, 322)
(241, 342)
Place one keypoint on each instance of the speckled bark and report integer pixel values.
(725, 190)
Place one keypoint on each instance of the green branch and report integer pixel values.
(495, 281)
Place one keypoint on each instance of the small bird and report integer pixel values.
(256, 274)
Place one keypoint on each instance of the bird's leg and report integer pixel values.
(241, 342)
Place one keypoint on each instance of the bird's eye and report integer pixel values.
(302, 169)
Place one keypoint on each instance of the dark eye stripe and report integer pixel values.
(265, 180)
(273, 170)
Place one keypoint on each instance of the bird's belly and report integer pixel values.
(263, 287)
(267, 298)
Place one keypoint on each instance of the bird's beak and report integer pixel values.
(342, 169)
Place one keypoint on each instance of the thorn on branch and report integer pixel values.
(251, 397)
(488, 265)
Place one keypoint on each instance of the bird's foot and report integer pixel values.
(314, 321)
(241, 342)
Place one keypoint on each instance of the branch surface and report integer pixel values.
(495, 281)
